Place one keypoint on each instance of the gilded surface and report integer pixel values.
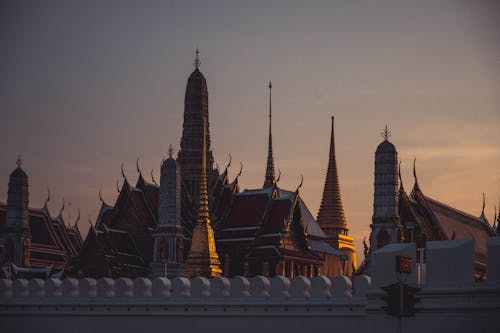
(203, 259)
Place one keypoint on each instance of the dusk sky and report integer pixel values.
(87, 85)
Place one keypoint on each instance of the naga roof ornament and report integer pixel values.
(62, 208)
(153, 178)
(45, 205)
(401, 188)
(416, 186)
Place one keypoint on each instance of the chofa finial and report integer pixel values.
(197, 61)
(137, 166)
(484, 203)
(279, 176)
(100, 196)
(77, 219)
(48, 198)
(241, 170)
(301, 182)
(153, 178)
(386, 133)
(62, 208)
(399, 175)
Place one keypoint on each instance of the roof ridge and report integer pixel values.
(456, 210)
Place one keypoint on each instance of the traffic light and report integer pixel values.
(392, 299)
(400, 300)
(409, 300)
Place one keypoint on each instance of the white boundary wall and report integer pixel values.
(450, 301)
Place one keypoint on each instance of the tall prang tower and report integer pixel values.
(17, 235)
(386, 224)
(331, 215)
(190, 154)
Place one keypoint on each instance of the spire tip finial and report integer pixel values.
(170, 151)
(19, 161)
(197, 61)
(386, 133)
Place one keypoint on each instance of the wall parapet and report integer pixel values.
(258, 303)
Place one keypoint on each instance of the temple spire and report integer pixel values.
(270, 179)
(331, 212)
(203, 259)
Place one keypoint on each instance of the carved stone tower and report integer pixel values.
(169, 235)
(190, 154)
(331, 215)
(203, 259)
(386, 225)
(17, 234)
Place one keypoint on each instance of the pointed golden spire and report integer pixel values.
(270, 178)
(331, 212)
(203, 259)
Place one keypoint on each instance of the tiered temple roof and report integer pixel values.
(53, 243)
(434, 220)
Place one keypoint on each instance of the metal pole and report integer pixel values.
(400, 307)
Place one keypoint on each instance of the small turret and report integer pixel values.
(18, 235)
(170, 196)
(169, 236)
